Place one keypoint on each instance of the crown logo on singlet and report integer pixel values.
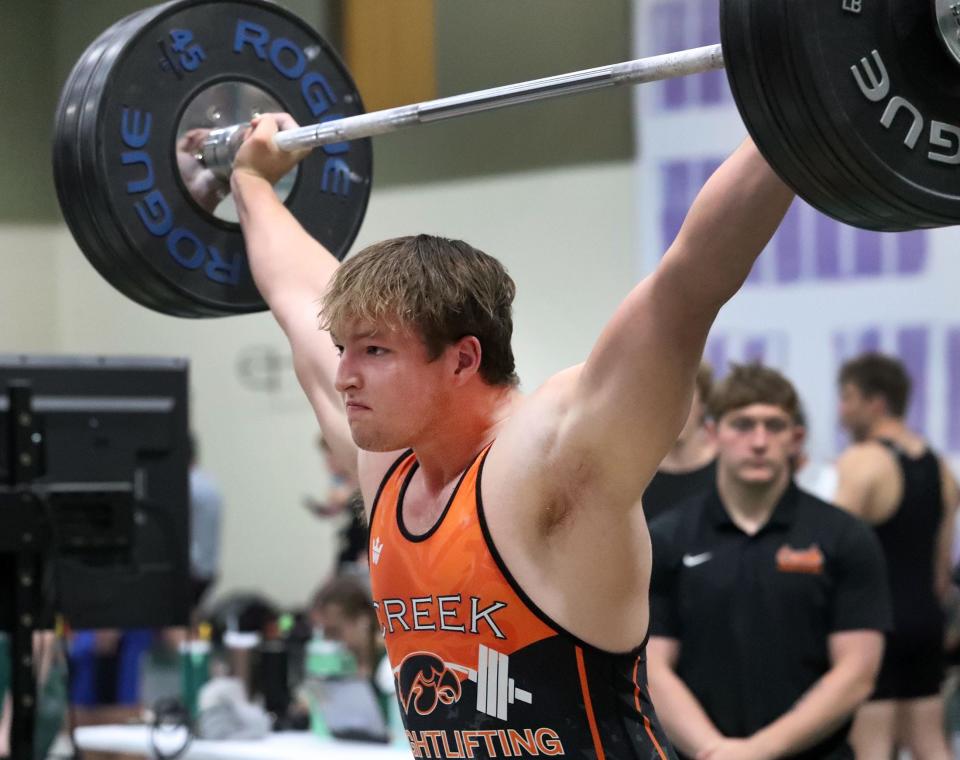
(377, 548)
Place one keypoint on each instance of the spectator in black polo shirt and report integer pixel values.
(768, 606)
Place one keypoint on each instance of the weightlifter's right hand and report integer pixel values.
(260, 156)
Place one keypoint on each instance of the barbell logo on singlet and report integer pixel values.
(425, 681)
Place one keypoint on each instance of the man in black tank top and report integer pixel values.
(690, 467)
(892, 479)
(768, 606)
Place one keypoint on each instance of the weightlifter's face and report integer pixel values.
(392, 392)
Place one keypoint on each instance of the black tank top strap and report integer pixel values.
(912, 532)
(892, 446)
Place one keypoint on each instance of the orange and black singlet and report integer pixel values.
(480, 671)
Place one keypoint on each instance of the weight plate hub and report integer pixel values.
(195, 65)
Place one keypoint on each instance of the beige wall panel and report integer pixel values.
(388, 46)
(29, 308)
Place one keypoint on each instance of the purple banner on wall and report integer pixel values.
(913, 350)
(790, 259)
(679, 25)
(716, 355)
(828, 290)
(667, 20)
(953, 389)
(912, 252)
(827, 248)
(724, 349)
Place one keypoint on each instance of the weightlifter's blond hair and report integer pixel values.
(442, 289)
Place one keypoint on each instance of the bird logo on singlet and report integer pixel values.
(424, 681)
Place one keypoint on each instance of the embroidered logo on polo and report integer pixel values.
(809, 560)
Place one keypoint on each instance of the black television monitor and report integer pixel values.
(99, 463)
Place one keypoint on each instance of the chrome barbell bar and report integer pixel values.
(221, 144)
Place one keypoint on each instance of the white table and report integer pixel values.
(287, 745)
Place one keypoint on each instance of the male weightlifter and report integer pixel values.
(509, 556)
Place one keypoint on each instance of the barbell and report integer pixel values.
(852, 102)
(222, 144)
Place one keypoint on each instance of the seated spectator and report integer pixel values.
(768, 606)
(344, 611)
(105, 677)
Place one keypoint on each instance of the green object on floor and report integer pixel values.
(194, 673)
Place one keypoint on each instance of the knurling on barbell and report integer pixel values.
(852, 103)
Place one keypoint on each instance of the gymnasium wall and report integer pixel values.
(548, 188)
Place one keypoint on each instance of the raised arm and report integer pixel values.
(291, 270)
(633, 394)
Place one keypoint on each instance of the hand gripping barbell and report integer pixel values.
(852, 102)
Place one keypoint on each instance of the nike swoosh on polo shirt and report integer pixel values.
(692, 560)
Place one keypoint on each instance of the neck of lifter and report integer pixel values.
(443, 454)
